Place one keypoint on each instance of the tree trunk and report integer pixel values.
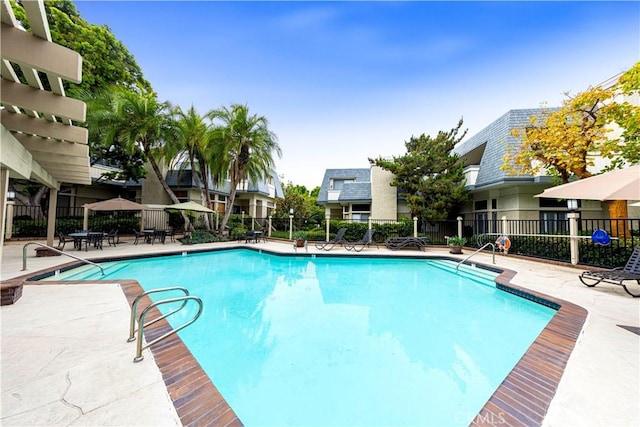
(33, 202)
(617, 212)
(168, 189)
(229, 207)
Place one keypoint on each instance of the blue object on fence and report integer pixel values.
(601, 237)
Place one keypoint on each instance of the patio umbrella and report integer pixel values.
(622, 184)
(117, 204)
(190, 206)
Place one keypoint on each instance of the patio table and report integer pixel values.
(86, 236)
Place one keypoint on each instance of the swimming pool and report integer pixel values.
(343, 341)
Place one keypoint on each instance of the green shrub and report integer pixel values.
(200, 236)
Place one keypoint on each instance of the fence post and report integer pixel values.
(369, 223)
(270, 221)
(291, 227)
(327, 226)
(85, 219)
(505, 226)
(51, 215)
(9, 217)
(573, 239)
(459, 226)
(415, 226)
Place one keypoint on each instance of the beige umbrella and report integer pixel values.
(622, 184)
(117, 204)
(190, 206)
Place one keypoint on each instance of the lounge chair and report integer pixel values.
(328, 245)
(395, 243)
(616, 276)
(366, 240)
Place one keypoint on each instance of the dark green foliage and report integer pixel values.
(429, 176)
(26, 226)
(105, 60)
(306, 210)
(200, 236)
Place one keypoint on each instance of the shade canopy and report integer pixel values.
(623, 184)
(117, 204)
(190, 206)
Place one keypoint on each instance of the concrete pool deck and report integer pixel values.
(65, 360)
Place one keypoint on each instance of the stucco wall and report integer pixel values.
(383, 196)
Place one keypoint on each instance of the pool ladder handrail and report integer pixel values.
(141, 318)
(24, 255)
(493, 250)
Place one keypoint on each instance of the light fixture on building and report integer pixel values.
(572, 205)
(11, 195)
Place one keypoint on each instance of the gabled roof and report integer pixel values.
(360, 190)
(488, 147)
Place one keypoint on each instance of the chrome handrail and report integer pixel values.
(24, 255)
(134, 308)
(493, 249)
(139, 346)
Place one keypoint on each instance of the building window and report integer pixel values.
(494, 204)
(337, 184)
(552, 222)
(481, 223)
(480, 205)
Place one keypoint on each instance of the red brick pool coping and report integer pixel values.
(522, 399)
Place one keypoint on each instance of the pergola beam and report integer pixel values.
(33, 126)
(40, 100)
(24, 49)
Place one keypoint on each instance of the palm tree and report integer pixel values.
(192, 147)
(136, 121)
(243, 148)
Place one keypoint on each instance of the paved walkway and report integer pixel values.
(65, 360)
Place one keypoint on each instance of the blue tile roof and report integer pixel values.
(357, 191)
(497, 139)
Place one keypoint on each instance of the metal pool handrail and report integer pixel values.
(134, 308)
(24, 255)
(493, 250)
(139, 346)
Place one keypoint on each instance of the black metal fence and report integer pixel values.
(545, 239)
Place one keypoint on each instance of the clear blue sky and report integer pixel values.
(341, 82)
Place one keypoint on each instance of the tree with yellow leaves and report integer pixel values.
(566, 141)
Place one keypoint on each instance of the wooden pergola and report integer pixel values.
(40, 141)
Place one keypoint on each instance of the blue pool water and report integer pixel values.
(298, 341)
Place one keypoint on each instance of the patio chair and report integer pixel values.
(62, 240)
(250, 236)
(159, 235)
(328, 245)
(366, 240)
(139, 235)
(618, 275)
(95, 239)
(112, 237)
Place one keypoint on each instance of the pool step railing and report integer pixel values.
(183, 300)
(493, 251)
(24, 255)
